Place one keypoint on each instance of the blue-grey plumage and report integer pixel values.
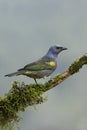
(43, 67)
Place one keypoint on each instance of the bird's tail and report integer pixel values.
(13, 74)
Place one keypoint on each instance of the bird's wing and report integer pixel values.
(40, 65)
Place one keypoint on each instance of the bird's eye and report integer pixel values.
(57, 47)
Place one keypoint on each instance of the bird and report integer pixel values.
(43, 67)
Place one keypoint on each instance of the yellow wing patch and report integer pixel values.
(51, 63)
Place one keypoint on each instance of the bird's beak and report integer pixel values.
(63, 48)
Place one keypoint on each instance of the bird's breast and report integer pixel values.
(38, 74)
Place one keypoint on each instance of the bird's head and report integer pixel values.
(55, 50)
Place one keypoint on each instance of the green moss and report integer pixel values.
(76, 65)
(55, 80)
(19, 97)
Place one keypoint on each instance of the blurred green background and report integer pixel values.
(27, 29)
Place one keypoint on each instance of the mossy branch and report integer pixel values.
(20, 96)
